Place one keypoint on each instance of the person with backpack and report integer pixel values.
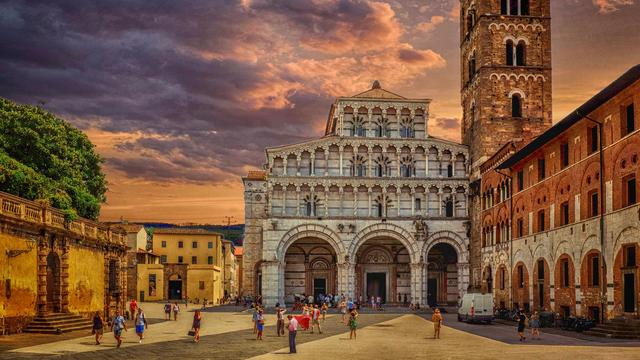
(98, 327)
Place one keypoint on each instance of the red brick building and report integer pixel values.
(544, 218)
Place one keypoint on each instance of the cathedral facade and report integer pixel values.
(375, 207)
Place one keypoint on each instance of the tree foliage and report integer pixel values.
(44, 158)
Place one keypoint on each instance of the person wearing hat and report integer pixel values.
(436, 319)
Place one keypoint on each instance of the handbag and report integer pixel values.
(191, 333)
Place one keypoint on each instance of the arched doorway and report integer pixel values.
(175, 287)
(54, 291)
(442, 275)
(520, 286)
(310, 269)
(383, 269)
(541, 287)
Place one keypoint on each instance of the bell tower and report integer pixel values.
(505, 49)
(505, 55)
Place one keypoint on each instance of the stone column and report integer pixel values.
(413, 165)
(64, 277)
(326, 162)
(284, 200)
(312, 170)
(355, 201)
(298, 164)
(369, 163)
(439, 202)
(347, 279)
(463, 278)
(326, 201)
(398, 193)
(285, 163)
(426, 162)
(384, 202)
(341, 150)
(43, 251)
(413, 201)
(398, 155)
(341, 192)
(418, 276)
(272, 287)
(369, 194)
(297, 200)
(312, 198)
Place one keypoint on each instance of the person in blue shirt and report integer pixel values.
(117, 326)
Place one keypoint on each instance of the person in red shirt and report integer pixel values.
(133, 306)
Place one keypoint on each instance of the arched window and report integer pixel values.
(509, 53)
(379, 206)
(520, 53)
(309, 209)
(449, 207)
(516, 106)
(513, 7)
(379, 170)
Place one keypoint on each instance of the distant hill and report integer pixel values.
(229, 232)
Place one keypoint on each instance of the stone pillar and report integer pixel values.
(426, 162)
(398, 193)
(312, 170)
(284, 200)
(369, 163)
(418, 280)
(384, 202)
(272, 287)
(347, 279)
(463, 278)
(312, 198)
(413, 201)
(326, 162)
(297, 200)
(285, 163)
(355, 201)
(64, 277)
(439, 202)
(369, 194)
(413, 165)
(43, 251)
(341, 150)
(298, 163)
(326, 201)
(398, 156)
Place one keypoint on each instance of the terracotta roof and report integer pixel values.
(237, 251)
(257, 175)
(184, 231)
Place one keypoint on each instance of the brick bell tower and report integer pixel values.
(505, 55)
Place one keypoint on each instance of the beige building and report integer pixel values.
(230, 269)
(192, 265)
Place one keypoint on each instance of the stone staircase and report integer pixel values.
(57, 323)
(618, 328)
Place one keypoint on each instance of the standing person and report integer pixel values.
(141, 324)
(293, 329)
(260, 324)
(378, 303)
(176, 310)
(167, 311)
(186, 302)
(436, 319)
(117, 326)
(521, 318)
(315, 318)
(373, 302)
(343, 310)
(535, 326)
(254, 318)
(133, 305)
(325, 308)
(98, 327)
(353, 324)
(197, 318)
(280, 316)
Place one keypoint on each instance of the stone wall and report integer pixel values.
(86, 280)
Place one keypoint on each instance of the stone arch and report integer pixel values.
(310, 230)
(627, 235)
(383, 229)
(447, 237)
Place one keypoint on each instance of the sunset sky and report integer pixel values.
(182, 97)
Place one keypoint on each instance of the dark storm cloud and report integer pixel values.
(185, 74)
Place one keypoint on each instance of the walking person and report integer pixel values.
(197, 318)
(133, 305)
(293, 329)
(167, 311)
(117, 326)
(343, 310)
(353, 324)
(176, 310)
(280, 322)
(260, 324)
(535, 326)
(315, 318)
(325, 308)
(436, 319)
(254, 318)
(521, 318)
(141, 324)
(98, 327)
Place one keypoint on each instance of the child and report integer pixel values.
(437, 322)
(353, 324)
(260, 324)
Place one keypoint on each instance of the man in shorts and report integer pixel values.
(315, 318)
(117, 326)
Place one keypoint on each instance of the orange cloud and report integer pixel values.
(430, 25)
(608, 6)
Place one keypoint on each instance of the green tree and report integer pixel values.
(44, 158)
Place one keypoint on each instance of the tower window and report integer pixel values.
(564, 154)
(516, 106)
(628, 123)
(593, 203)
(629, 184)
(418, 205)
(520, 54)
(593, 139)
(564, 213)
(514, 7)
(541, 220)
(520, 224)
(509, 52)
(472, 66)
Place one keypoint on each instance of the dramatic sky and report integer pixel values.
(182, 97)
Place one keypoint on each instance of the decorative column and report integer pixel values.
(326, 201)
(312, 198)
(413, 201)
(285, 162)
(341, 149)
(426, 121)
(64, 276)
(341, 192)
(368, 131)
(298, 163)
(369, 191)
(312, 170)
(398, 193)
(43, 250)
(346, 278)
(413, 166)
(297, 200)
(398, 155)
(439, 202)
(326, 162)
(369, 163)
(426, 163)
(384, 202)
(355, 201)
(284, 200)
(418, 276)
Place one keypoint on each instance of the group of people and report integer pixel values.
(524, 321)
(119, 324)
(171, 308)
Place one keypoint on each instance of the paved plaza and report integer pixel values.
(227, 334)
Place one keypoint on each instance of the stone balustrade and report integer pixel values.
(41, 214)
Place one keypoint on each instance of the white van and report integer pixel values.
(476, 308)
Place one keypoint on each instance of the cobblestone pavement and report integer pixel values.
(228, 335)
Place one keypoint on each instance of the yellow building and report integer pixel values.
(192, 262)
(230, 269)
